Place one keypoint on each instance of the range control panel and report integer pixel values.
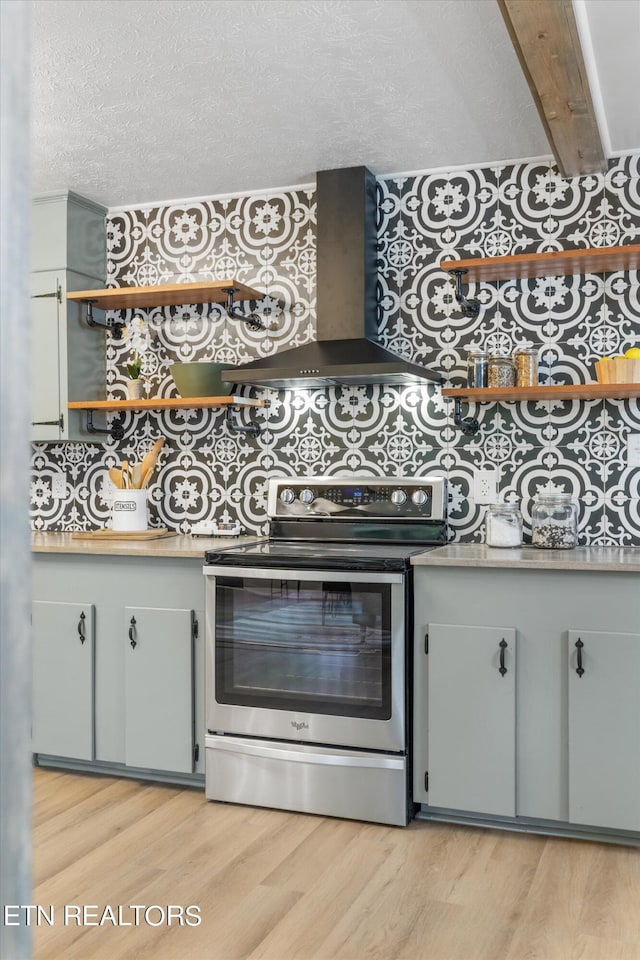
(405, 498)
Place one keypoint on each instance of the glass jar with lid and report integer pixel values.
(477, 367)
(502, 371)
(554, 521)
(503, 525)
(526, 361)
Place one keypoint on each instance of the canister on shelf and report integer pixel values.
(526, 361)
(477, 364)
(503, 525)
(502, 371)
(554, 521)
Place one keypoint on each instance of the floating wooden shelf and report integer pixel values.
(555, 264)
(164, 403)
(569, 391)
(166, 295)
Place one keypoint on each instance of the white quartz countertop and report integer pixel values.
(180, 545)
(619, 559)
(623, 559)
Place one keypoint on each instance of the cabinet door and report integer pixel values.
(604, 729)
(63, 679)
(159, 689)
(471, 718)
(46, 399)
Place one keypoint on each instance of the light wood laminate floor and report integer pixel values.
(279, 886)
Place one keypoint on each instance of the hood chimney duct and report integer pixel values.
(346, 254)
(347, 348)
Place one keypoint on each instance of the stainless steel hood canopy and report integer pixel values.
(347, 350)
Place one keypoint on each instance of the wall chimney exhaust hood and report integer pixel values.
(347, 350)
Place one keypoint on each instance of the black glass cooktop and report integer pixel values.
(309, 556)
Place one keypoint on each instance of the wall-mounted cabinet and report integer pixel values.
(68, 358)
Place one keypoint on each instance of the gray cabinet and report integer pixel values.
(159, 701)
(47, 411)
(577, 739)
(145, 702)
(68, 357)
(472, 718)
(63, 679)
(604, 729)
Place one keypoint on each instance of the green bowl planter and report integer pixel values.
(201, 378)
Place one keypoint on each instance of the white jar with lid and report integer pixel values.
(503, 525)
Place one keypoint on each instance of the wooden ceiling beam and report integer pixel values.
(545, 36)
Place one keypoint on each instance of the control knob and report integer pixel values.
(287, 495)
(307, 495)
(398, 497)
(419, 498)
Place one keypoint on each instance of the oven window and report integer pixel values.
(309, 646)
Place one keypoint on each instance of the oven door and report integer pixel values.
(315, 656)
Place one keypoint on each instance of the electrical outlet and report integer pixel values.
(633, 450)
(485, 486)
(59, 485)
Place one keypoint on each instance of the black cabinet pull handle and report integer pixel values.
(132, 632)
(579, 646)
(81, 623)
(503, 647)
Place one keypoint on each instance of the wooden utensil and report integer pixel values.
(126, 478)
(149, 462)
(115, 476)
(136, 475)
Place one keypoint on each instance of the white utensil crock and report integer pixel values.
(129, 510)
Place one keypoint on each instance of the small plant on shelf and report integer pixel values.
(134, 385)
(134, 367)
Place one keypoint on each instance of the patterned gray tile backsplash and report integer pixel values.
(268, 241)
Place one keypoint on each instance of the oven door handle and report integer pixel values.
(296, 755)
(320, 575)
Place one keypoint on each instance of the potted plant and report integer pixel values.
(134, 385)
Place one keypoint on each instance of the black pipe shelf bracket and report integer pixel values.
(115, 430)
(471, 308)
(116, 326)
(253, 429)
(468, 425)
(252, 320)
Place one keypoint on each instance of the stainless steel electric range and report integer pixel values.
(308, 652)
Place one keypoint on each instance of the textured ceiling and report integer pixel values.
(137, 101)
